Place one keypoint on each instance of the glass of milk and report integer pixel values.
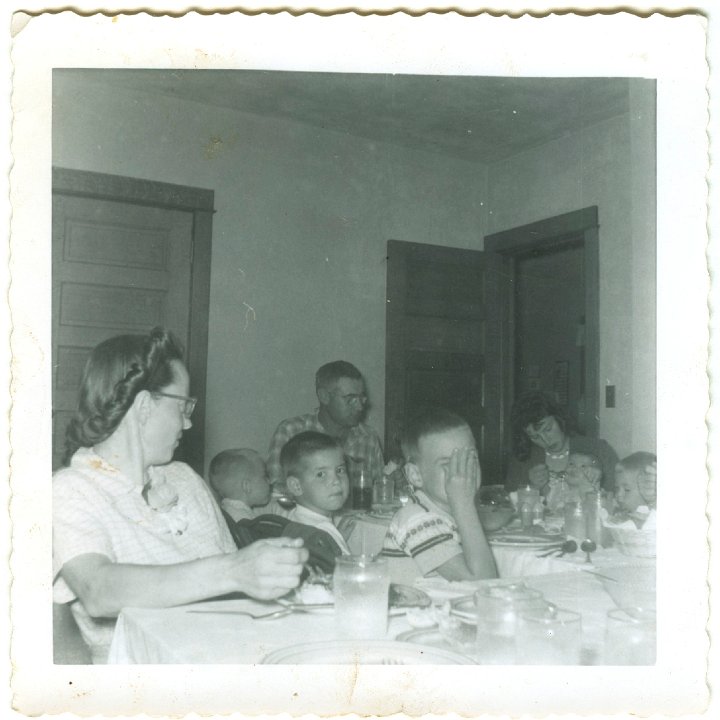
(361, 585)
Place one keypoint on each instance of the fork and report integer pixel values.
(267, 616)
(390, 661)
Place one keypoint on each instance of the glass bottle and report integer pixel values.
(575, 522)
(593, 518)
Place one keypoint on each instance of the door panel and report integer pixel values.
(118, 267)
(443, 342)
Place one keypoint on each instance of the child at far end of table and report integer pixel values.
(636, 489)
(439, 531)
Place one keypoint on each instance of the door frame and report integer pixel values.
(581, 226)
(200, 203)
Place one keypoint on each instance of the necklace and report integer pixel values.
(558, 455)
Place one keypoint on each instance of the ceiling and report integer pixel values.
(477, 118)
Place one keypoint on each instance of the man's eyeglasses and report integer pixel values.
(188, 402)
(353, 398)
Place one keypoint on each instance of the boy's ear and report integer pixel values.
(412, 473)
(293, 485)
(323, 395)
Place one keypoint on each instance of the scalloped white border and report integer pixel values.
(669, 49)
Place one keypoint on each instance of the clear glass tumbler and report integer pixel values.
(361, 585)
(549, 636)
(630, 636)
(498, 609)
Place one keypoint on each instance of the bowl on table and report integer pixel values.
(494, 507)
(636, 542)
(494, 517)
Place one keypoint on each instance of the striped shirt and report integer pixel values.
(361, 442)
(420, 538)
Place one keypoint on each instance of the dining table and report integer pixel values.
(225, 631)
(514, 556)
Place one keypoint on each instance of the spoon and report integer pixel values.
(588, 546)
(569, 546)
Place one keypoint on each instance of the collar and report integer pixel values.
(313, 517)
(234, 503)
(87, 462)
(425, 501)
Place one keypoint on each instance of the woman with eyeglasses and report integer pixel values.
(131, 527)
(543, 441)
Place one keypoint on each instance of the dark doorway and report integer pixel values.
(550, 318)
(549, 299)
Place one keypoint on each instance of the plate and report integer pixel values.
(400, 596)
(459, 637)
(382, 513)
(527, 540)
(364, 652)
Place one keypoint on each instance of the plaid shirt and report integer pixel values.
(361, 442)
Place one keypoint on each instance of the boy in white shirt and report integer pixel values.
(439, 531)
(240, 478)
(316, 477)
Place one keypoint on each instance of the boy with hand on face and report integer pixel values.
(439, 531)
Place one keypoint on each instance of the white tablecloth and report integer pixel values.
(178, 636)
(369, 532)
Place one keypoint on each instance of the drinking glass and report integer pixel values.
(361, 585)
(497, 610)
(549, 636)
(630, 636)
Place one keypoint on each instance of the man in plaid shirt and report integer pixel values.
(341, 393)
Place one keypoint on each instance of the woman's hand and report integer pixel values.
(463, 479)
(538, 476)
(268, 569)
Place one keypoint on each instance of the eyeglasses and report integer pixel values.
(352, 398)
(188, 402)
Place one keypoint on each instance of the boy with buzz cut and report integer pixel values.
(313, 465)
(240, 478)
(439, 531)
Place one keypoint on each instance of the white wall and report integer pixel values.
(611, 165)
(303, 216)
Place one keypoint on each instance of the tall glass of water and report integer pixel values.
(630, 636)
(497, 609)
(361, 585)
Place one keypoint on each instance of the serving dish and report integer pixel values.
(365, 652)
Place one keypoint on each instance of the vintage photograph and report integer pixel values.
(367, 293)
(356, 369)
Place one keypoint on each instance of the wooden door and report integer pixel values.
(120, 266)
(579, 227)
(443, 344)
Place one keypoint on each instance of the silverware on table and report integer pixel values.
(274, 615)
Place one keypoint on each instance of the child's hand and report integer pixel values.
(647, 485)
(463, 479)
(538, 476)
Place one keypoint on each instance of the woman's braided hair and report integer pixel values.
(116, 371)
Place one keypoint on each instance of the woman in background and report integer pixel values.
(542, 443)
(131, 527)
